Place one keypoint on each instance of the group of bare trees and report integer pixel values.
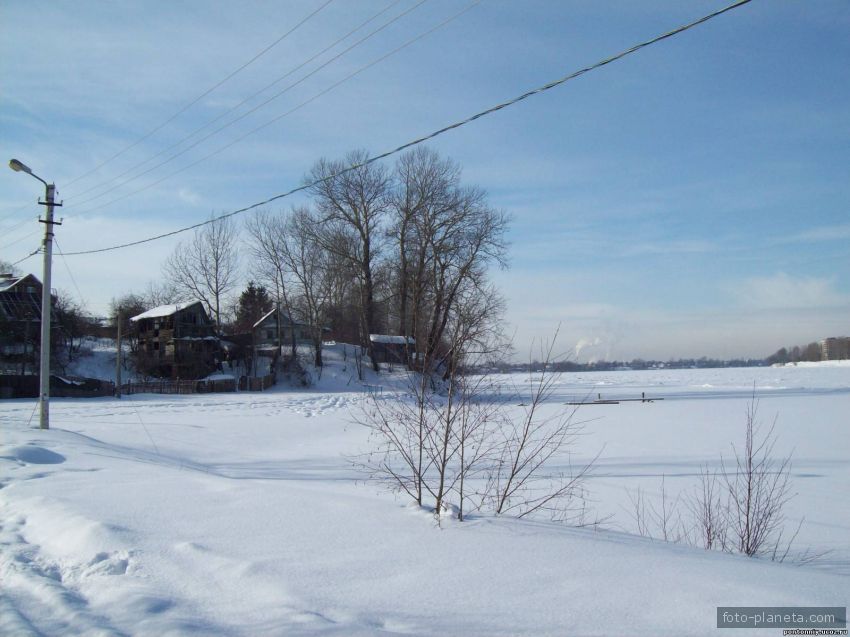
(446, 237)
(301, 274)
(378, 250)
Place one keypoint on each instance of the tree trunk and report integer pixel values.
(369, 306)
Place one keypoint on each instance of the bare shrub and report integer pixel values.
(757, 490)
(521, 480)
(739, 509)
(664, 521)
(428, 442)
(455, 442)
(708, 512)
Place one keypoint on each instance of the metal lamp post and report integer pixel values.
(44, 369)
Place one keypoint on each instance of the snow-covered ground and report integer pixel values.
(97, 360)
(240, 514)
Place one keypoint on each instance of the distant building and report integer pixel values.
(387, 348)
(267, 336)
(835, 348)
(176, 341)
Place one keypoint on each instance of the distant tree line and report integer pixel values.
(796, 354)
(637, 363)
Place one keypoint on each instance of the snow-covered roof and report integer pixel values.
(163, 310)
(265, 316)
(287, 320)
(7, 283)
(219, 376)
(390, 339)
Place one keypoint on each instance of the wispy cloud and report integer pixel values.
(835, 232)
(189, 196)
(783, 291)
(676, 246)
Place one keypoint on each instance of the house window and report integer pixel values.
(270, 334)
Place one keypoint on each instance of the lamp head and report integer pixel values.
(17, 166)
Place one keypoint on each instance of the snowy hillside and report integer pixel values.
(241, 514)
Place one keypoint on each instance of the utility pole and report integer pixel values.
(44, 369)
(118, 360)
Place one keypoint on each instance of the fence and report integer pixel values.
(180, 386)
(27, 386)
(246, 383)
(249, 383)
(17, 386)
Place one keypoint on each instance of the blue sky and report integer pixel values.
(692, 199)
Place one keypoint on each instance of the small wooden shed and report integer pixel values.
(389, 348)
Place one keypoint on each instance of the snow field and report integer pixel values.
(240, 514)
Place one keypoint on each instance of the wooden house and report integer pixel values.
(267, 335)
(177, 341)
(20, 320)
(387, 348)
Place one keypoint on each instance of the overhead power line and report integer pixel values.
(325, 91)
(7, 231)
(441, 131)
(201, 96)
(14, 211)
(31, 254)
(250, 111)
(19, 239)
(238, 106)
(68, 269)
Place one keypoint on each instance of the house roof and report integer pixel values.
(287, 320)
(8, 282)
(163, 310)
(20, 304)
(265, 316)
(391, 339)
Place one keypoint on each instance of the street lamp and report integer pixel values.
(44, 369)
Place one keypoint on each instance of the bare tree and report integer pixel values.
(425, 187)
(72, 324)
(447, 236)
(6, 267)
(122, 309)
(311, 268)
(161, 293)
(268, 247)
(352, 205)
(207, 266)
